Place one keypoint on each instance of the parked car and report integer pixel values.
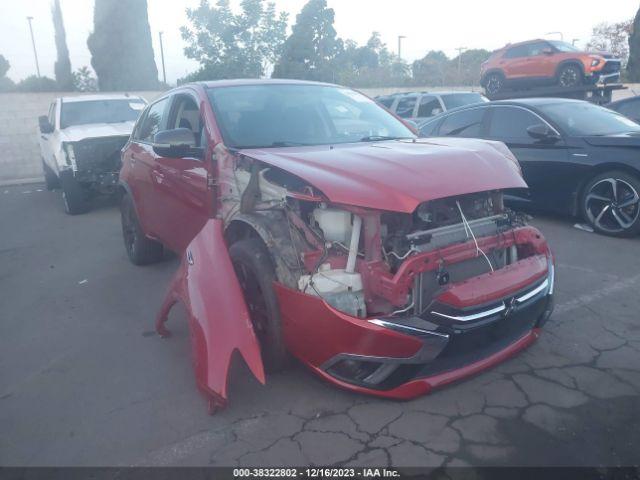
(80, 143)
(629, 107)
(576, 157)
(311, 221)
(546, 62)
(420, 106)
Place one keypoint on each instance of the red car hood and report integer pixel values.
(398, 175)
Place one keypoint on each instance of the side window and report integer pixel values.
(385, 101)
(152, 122)
(429, 106)
(429, 128)
(467, 123)
(516, 52)
(511, 124)
(536, 49)
(406, 106)
(186, 114)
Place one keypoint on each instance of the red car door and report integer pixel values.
(181, 205)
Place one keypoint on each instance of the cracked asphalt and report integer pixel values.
(85, 381)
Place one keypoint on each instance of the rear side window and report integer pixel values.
(152, 122)
(510, 123)
(406, 106)
(515, 52)
(467, 123)
(385, 101)
(429, 106)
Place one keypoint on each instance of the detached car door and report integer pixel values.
(180, 183)
(544, 164)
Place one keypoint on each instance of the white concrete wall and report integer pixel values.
(19, 149)
(19, 112)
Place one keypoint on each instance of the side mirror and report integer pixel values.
(43, 123)
(176, 143)
(543, 132)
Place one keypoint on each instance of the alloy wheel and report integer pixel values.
(494, 84)
(569, 77)
(612, 205)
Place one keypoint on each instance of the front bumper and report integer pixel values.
(404, 357)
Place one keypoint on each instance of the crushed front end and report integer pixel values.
(390, 303)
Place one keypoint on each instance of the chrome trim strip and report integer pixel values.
(391, 325)
(533, 292)
(475, 316)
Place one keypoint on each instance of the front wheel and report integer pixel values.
(570, 76)
(74, 196)
(611, 204)
(494, 83)
(255, 272)
(141, 250)
(50, 178)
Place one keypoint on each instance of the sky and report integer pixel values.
(426, 24)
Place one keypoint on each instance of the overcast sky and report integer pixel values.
(427, 24)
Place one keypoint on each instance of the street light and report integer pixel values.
(557, 33)
(164, 73)
(400, 37)
(460, 50)
(33, 42)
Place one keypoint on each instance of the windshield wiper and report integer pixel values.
(377, 138)
(287, 143)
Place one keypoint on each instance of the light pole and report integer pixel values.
(33, 42)
(557, 33)
(400, 37)
(164, 72)
(460, 50)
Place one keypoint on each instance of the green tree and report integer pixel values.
(313, 47)
(6, 84)
(84, 81)
(62, 67)
(431, 70)
(120, 46)
(465, 68)
(34, 83)
(612, 37)
(633, 66)
(229, 45)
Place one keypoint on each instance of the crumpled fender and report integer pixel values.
(219, 321)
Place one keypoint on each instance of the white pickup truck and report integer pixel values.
(80, 142)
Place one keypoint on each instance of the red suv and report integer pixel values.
(311, 222)
(546, 62)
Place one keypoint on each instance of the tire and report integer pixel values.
(613, 212)
(494, 83)
(141, 250)
(570, 76)
(74, 196)
(50, 178)
(255, 272)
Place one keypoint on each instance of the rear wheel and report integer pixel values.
(611, 204)
(494, 83)
(50, 178)
(570, 76)
(255, 272)
(141, 250)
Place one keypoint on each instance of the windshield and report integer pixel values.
(100, 111)
(582, 118)
(254, 116)
(563, 46)
(455, 100)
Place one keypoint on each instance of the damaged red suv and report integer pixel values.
(312, 222)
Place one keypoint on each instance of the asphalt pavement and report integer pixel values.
(85, 381)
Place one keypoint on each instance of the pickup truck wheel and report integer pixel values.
(141, 250)
(50, 178)
(255, 273)
(611, 204)
(73, 195)
(570, 76)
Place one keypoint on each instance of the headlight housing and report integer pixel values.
(595, 61)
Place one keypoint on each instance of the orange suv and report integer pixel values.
(546, 62)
